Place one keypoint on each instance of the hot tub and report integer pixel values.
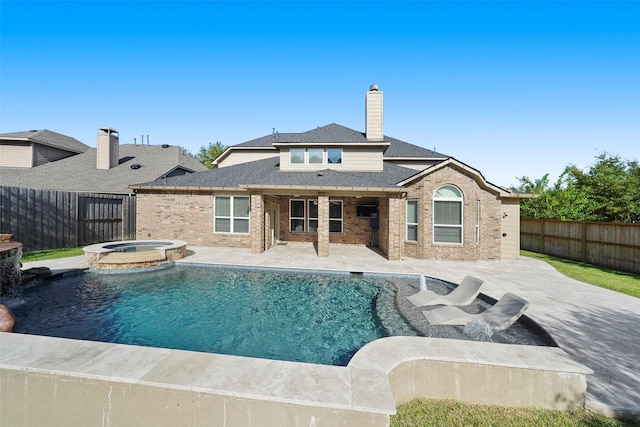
(134, 254)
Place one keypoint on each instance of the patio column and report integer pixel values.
(256, 231)
(396, 228)
(323, 224)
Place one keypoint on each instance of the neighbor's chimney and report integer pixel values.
(373, 125)
(107, 155)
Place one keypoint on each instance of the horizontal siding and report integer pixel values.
(365, 159)
(15, 155)
(43, 154)
(244, 156)
(511, 227)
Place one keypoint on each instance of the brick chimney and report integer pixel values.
(107, 155)
(373, 110)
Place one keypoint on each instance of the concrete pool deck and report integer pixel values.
(594, 326)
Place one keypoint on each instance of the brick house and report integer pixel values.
(335, 185)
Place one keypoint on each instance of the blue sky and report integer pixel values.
(511, 88)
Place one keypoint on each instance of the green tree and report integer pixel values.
(208, 154)
(608, 191)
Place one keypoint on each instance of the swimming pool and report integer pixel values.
(299, 316)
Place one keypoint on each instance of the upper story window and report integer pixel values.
(447, 215)
(334, 155)
(297, 155)
(231, 214)
(317, 156)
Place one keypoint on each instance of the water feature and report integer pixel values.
(10, 273)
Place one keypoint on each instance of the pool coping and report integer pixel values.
(363, 385)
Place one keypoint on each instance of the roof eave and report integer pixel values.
(323, 188)
(333, 143)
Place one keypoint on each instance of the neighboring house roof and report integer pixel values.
(266, 173)
(79, 172)
(47, 137)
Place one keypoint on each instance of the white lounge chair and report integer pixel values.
(464, 294)
(499, 316)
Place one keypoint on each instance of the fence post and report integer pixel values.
(584, 241)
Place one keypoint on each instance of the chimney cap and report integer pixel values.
(107, 129)
(373, 87)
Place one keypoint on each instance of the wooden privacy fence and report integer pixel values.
(47, 219)
(607, 244)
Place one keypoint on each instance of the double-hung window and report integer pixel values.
(447, 215)
(231, 214)
(313, 215)
(297, 215)
(412, 220)
(335, 216)
(477, 221)
(303, 215)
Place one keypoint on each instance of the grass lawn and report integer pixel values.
(619, 281)
(51, 254)
(428, 412)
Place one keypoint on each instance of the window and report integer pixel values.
(296, 214)
(231, 214)
(477, 221)
(335, 216)
(447, 215)
(366, 210)
(316, 155)
(334, 155)
(412, 220)
(299, 217)
(297, 155)
(313, 216)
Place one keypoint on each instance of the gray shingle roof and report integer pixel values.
(334, 133)
(79, 173)
(267, 172)
(403, 149)
(47, 137)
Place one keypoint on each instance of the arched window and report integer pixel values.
(447, 215)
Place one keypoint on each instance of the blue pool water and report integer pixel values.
(274, 314)
(136, 246)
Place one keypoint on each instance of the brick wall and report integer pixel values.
(185, 216)
(490, 211)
